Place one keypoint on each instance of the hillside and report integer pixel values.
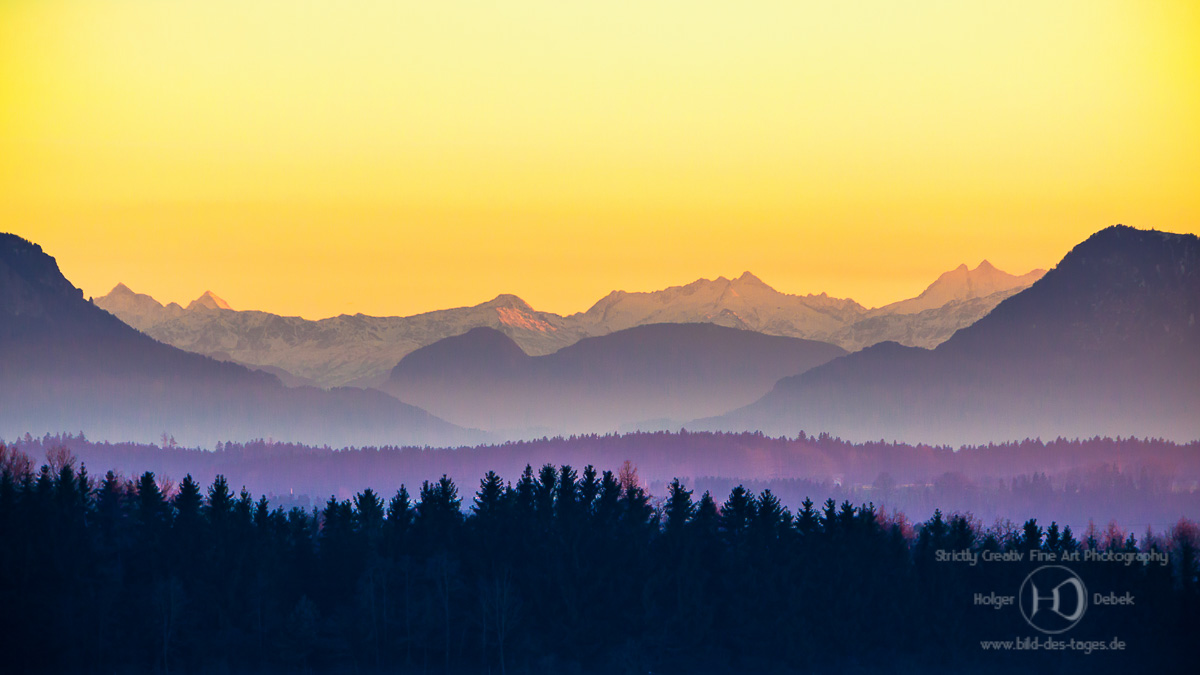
(637, 377)
(65, 364)
(1105, 343)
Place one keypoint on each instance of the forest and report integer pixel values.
(560, 571)
(1136, 482)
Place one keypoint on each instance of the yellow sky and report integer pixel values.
(316, 158)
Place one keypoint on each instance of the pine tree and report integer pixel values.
(489, 500)
(867, 520)
(829, 519)
(110, 498)
(1068, 540)
(368, 512)
(679, 507)
(187, 533)
(933, 536)
(438, 513)
(770, 519)
(152, 509)
(546, 483)
(219, 508)
(399, 521)
(187, 506)
(707, 518)
(589, 489)
(636, 512)
(807, 520)
(566, 496)
(1031, 536)
(736, 514)
(607, 507)
(1053, 538)
(962, 535)
(847, 517)
(527, 490)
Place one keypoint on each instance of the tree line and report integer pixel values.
(1137, 482)
(560, 571)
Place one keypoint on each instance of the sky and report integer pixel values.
(320, 158)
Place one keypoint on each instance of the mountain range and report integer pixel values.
(1106, 343)
(646, 376)
(67, 364)
(360, 350)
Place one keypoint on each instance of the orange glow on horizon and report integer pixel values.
(392, 158)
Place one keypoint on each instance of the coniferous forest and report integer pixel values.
(563, 571)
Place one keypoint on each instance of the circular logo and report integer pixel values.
(1053, 599)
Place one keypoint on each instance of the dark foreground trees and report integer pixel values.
(564, 571)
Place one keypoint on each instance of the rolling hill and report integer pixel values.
(643, 377)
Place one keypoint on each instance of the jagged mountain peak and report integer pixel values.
(963, 283)
(208, 301)
(508, 300)
(749, 279)
(124, 294)
(136, 309)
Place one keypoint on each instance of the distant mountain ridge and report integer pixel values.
(623, 380)
(960, 285)
(65, 364)
(361, 350)
(1105, 343)
(137, 309)
(355, 350)
(745, 302)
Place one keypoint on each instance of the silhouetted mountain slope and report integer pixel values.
(1105, 343)
(1122, 295)
(479, 353)
(662, 371)
(66, 364)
